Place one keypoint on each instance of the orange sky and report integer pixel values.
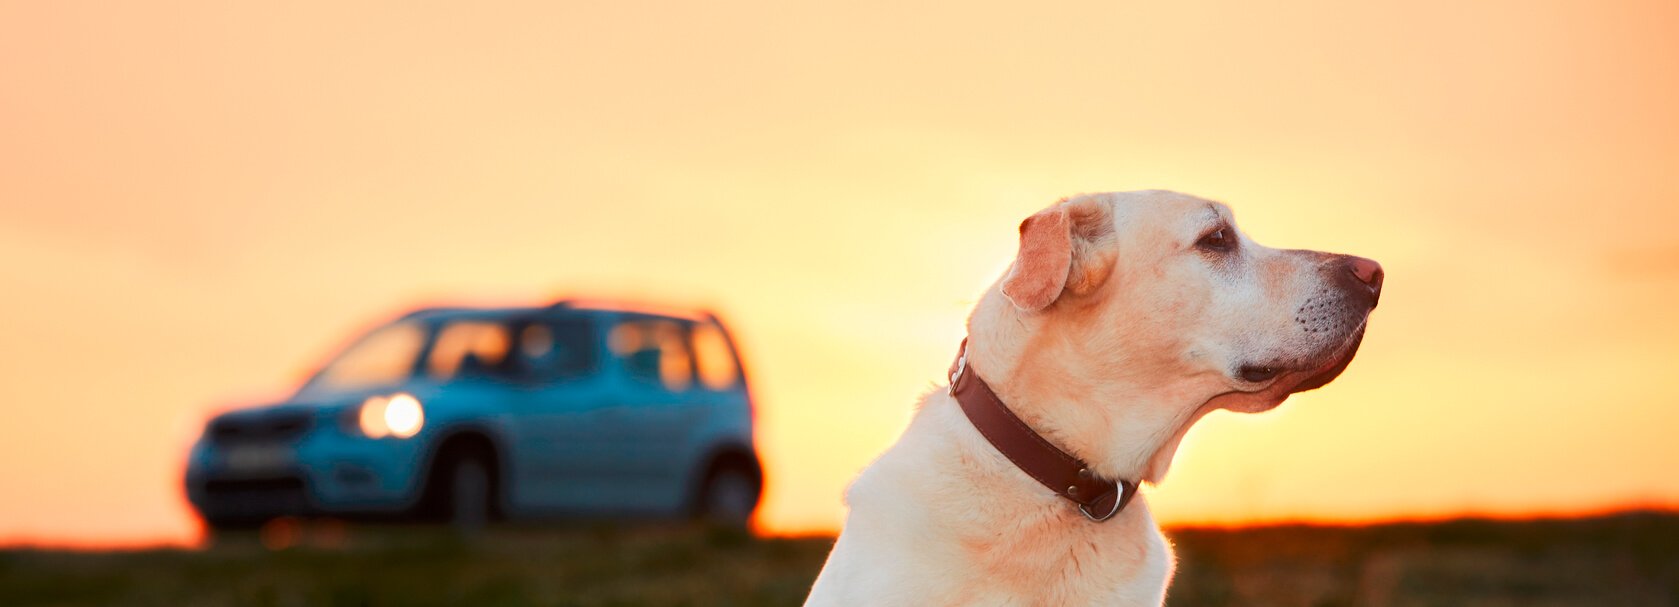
(197, 203)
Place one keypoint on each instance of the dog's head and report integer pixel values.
(1157, 292)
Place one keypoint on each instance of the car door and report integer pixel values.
(538, 378)
(652, 410)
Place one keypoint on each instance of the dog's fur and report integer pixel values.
(1117, 327)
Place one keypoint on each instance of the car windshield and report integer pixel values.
(384, 357)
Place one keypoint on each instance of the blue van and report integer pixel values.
(472, 415)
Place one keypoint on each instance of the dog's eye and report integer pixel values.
(1219, 240)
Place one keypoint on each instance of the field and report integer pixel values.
(1623, 560)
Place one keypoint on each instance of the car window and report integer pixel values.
(713, 358)
(380, 358)
(471, 347)
(654, 351)
(555, 349)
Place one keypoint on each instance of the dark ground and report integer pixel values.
(1629, 559)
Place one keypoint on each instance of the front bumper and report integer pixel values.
(320, 474)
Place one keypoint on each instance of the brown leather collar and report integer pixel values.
(1099, 499)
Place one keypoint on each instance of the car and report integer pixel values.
(471, 415)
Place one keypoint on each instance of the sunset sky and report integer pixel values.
(198, 203)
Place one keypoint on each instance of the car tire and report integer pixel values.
(460, 490)
(728, 496)
(470, 498)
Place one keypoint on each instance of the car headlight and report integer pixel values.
(398, 415)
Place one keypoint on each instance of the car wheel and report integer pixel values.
(728, 497)
(468, 495)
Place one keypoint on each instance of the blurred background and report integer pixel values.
(199, 202)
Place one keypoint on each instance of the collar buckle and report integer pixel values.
(960, 367)
(1119, 500)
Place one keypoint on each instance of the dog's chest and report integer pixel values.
(1060, 560)
(943, 518)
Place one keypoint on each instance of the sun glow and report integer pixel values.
(205, 206)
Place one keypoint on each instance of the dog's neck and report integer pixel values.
(1124, 422)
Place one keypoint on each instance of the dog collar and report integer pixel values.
(1097, 498)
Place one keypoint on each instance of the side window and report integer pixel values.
(556, 349)
(714, 359)
(654, 351)
(468, 347)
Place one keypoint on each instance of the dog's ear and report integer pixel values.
(1062, 249)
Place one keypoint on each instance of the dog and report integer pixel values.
(1123, 319)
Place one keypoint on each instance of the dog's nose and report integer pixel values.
(1369, 275)
(1367, 270)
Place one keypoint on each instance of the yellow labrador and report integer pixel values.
(1124, 319)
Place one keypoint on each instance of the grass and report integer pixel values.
(1630, 559)
(1623, 560)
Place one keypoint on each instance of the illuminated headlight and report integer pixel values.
(399, 415)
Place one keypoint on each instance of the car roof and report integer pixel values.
(457, 313)
(461, 313)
